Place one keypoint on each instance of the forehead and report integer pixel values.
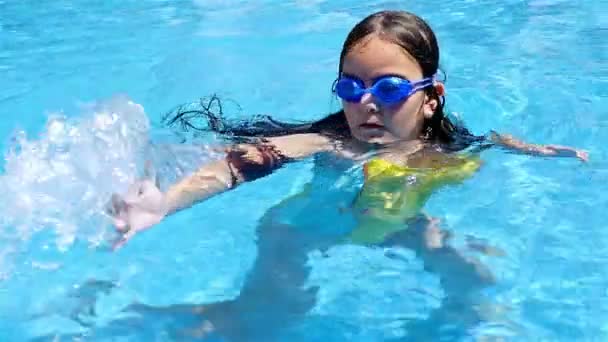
(373, 57)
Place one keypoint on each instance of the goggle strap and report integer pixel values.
(423, 83)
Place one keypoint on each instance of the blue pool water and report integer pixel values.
(536, 69)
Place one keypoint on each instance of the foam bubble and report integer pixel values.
(62, 181)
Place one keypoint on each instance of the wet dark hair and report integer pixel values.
(405, 29)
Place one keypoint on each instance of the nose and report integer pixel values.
(370, 103)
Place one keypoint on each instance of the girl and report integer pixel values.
(393, 111)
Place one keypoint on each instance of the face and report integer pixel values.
(370, 120)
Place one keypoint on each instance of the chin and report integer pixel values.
(381, 140)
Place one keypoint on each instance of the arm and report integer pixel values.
(144, 205)
(243, 162)
(510, 143)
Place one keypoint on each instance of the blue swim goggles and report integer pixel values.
(387, 89)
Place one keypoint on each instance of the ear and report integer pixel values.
(430, 104)
(429, 107)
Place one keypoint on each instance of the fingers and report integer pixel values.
(150, 173)
(117, 209)
(583, 155)
(119, 243)
(566, 151)
(123, 239)
(114, 205)
(121, 225)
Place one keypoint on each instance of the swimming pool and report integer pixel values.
(532, 68)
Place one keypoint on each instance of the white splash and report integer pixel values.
(63, 180)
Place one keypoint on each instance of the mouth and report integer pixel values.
(371, 126)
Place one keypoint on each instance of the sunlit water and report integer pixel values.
(84, 86)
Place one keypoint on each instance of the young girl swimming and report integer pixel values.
(393, 121)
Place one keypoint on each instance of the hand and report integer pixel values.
(143, 206)
(543, 150)
(564, 151)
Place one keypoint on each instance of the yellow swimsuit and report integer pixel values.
(392, 193)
